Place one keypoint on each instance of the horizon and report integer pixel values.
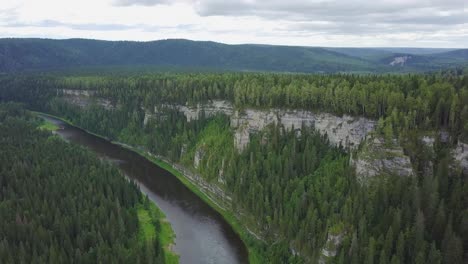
(316, 23)
(238, 44)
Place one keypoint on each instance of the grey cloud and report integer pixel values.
(53, 23)
(447, 12)
(306, 18)
(141, 2)
(101, 27)
(359, 18)
(310, 29)
(302, 9)
(8, 15)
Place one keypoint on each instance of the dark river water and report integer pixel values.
(202, 235)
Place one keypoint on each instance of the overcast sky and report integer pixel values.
(389, 23)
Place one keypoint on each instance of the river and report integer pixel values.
(202, 234)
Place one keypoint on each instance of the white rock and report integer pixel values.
(346, 130)
(377, 159)
(428, 141)
(199, 153)
(84, 98)
(461, 156)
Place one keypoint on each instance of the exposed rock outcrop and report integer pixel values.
(333, 241)
(401, 61)
(147, 117)
(428, 141)
(346, 130)
(84, 98)
(210, 109)
(331, 247)
(378, 158)
(76, 92)
(199, 153)
(461, 156)
(221, 179)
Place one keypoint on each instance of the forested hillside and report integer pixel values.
(297, 191)
(17, 55)
(60, 204)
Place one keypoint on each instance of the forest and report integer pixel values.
(59, 203)
(37, 55)
(292, 186)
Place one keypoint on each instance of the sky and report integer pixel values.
(332, 23)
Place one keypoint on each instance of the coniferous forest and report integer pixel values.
(292, 187)
(59, 203)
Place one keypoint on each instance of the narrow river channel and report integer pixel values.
(202, 235)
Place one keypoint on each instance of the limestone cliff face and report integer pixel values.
(84, 98)
(380, 158)
(377, 158)
(332, 244)
(210, 109)
(461, 156)
(330, 249)
(199, 153)
(346, 130)
(70, 92)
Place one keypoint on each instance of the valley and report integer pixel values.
(303, 167)
(233, 132)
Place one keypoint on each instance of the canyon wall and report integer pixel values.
(341, 130)
(84, 98)
(375, 158)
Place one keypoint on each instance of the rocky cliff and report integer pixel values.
(461, 156)
(84, 98)
(345, 130)
(381, 158)
(376, 157)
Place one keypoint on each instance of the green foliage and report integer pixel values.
(49, 126)
(292, 187)
(180, 54)
(405, 102)
(60, 204)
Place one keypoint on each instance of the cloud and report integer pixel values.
(53, 23)
(293, 22)
(141, 2)
(101, 27)
(424, 18)
(334, 16)
(297, 9)
(9, 14)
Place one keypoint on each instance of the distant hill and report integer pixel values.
(18, 55)
(460, 54)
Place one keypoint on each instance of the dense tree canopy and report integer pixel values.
(412, 101)
(60, 204)
(292, 186)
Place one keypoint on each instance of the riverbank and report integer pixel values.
(48, 126)
(250, 238)
(251, 241)
(147, 215)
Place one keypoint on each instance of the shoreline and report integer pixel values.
(248, 237)
(167, 233)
